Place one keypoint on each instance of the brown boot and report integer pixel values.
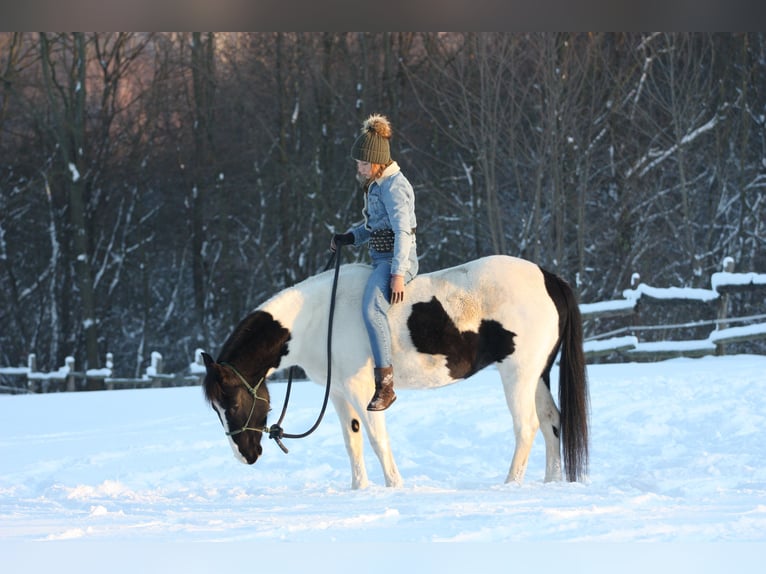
(384, 389)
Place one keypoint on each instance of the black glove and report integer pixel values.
(342, 239)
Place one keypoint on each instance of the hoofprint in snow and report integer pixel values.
(678, 454)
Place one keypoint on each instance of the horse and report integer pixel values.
(497, 310)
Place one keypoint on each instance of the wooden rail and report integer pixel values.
(625, 342)
(67, 378)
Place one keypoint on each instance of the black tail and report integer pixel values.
(573, 384)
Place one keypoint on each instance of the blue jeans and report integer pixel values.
(376, 302)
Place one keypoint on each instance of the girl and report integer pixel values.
(389, 229)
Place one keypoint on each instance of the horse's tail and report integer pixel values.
(573, 383)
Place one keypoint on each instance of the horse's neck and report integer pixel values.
(294, 305)
(304, 307)
(286, 306)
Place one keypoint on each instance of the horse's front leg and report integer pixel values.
(375, 424)
(357, 392)
(352, 436)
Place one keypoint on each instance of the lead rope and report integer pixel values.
(276, 431)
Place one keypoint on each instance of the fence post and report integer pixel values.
(109, 364)
(32, 367)
(157, 369)
(635, 281)
(70, 382)
(723, 305)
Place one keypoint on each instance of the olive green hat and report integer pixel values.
(372, 144)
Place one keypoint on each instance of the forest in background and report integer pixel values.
(155, 187)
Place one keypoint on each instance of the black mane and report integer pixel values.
(256, 345)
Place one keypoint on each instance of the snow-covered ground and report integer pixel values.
(678, 455)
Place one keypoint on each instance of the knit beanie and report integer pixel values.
(372, 145)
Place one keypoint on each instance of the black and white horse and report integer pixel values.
(496, 310)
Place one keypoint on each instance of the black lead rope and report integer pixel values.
(275, 431)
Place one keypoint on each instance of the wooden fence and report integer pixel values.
(626, 341)
(67, 378)
(710, 309)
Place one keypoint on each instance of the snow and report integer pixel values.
(654, 156)
(717, 281)
(74, 172)
(689, 346)
(630, 345)
(610, 345)
(136, 478)
(617, 306)
(60, 374)
(197, 367)
(744, 332)
(723, 278)
(688, 293)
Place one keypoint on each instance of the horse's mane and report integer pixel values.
(257, 339)
(256, 345)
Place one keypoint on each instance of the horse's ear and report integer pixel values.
(209, 362)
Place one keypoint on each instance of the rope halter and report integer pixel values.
(253, 390)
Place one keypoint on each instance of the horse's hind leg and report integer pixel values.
(549, 418)
(520, 396)
(352, 436)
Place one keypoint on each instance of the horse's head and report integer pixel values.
(241, 404)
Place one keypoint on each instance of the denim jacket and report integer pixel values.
(390, 204)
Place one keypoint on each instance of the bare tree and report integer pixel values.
(469, 103)
(66, 98)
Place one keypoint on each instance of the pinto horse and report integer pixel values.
(495, 310)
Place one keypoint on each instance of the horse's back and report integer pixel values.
(492, 280)
(458, 320)
(468, 291)
(475, 290)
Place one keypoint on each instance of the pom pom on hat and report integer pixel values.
(377, 124)
(372, 145)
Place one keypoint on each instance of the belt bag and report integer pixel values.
(382, 240)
